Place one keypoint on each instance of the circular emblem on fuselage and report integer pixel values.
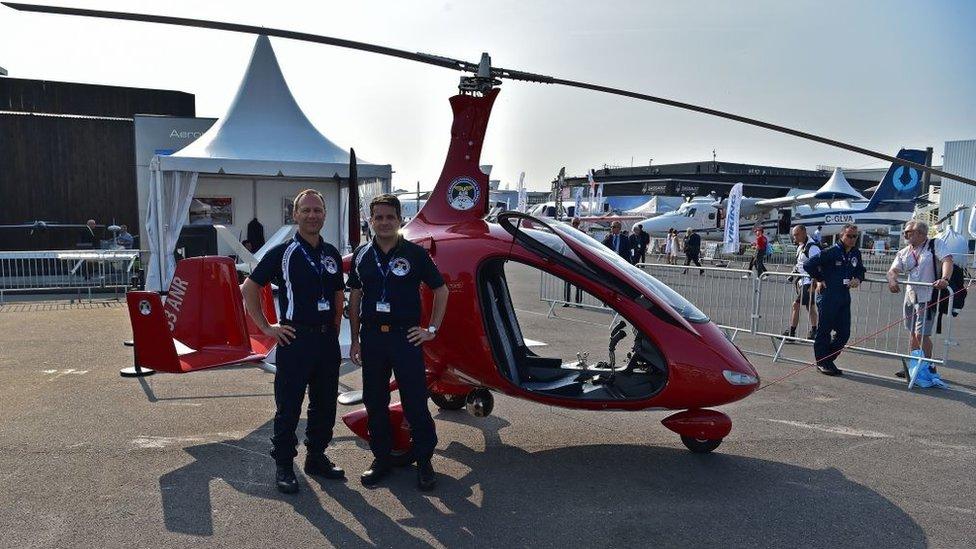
(463, 193)
(144, 307)
(330, 265)
(904, 186)
(400, 266)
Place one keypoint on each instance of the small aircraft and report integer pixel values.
(678, 359)
(39, 226)
(832, 206)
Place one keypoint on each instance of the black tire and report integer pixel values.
(448, 402)
(699, 446)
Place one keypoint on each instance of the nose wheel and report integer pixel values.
(480, 402)
(700, 446)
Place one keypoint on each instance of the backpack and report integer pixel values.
(957, 285)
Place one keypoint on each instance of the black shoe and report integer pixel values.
(829, 369)
(285, 479)
(425, 476)
(812, 333)
(901, 374)
(319, 465)
(789, 333)
(377, 470)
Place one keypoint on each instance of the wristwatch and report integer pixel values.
(432, 330)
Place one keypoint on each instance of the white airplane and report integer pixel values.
(829, 208)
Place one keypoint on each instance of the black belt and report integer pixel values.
(310, 328)
(387, 326)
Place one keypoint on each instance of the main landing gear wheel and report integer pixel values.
(448, 402)
(480, 402)
(700, 446)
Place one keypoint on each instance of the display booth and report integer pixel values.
(249, 166)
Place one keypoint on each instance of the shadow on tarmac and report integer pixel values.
(603, 495)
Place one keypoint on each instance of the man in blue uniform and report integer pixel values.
(308, 273)
(837, 269)
(384, 313)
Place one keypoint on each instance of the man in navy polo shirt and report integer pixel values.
(384, 313)
(308, 273)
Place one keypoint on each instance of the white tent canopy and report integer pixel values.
(838, 188)
(263, 135)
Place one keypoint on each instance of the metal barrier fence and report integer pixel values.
(557, 292)
(727, 296)
(873, 309)
(66, 270)
(737, 301)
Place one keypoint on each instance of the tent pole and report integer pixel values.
(160, 236)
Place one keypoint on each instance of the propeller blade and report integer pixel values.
(467, 66)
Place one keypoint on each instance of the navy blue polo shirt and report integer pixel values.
(406, 266)
(300, 284)
(834, 265)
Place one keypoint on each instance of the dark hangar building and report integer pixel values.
(67, 155)
(702, 178)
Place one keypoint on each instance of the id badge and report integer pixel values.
(382, 307)
(324, 305)
(847, 282)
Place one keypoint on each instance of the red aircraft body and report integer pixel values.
(679, 360)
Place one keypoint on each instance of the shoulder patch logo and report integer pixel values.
(463, 193)
(400, 266)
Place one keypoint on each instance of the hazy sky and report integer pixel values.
(880, 74)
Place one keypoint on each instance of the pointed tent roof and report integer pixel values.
(265, 132)
(837, 188)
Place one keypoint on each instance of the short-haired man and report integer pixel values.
(839, 268)
(920, 260)
(384, 314)
(639, 241)
(619, 243)
(806, 289)
(308, 272)
(692, 246)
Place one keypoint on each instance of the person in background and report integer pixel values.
(758, 260)
(839, 269)
(816, 235)
(806, 289)
(124, 239)
(925, 261)
(692, 246)
(617, 242)
(639, 241)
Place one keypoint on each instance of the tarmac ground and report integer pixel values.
(91, 459)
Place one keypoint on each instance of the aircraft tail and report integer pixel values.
(900, 186)
(461, 193)
(202, 323)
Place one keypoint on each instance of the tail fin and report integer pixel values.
(900, 186)
(201, 325)
(461, 193)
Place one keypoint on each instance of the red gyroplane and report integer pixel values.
(678, 360)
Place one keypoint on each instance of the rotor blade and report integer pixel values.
(466, 66)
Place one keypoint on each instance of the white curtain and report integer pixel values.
(170, 194)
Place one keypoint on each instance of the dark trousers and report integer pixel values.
(310, 361)
(383, 354)
(758, 261)
(690, 257)
(640, 255)
(835, 316)
(567, 291)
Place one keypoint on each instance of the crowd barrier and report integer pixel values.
(66, 270)
(739, 302)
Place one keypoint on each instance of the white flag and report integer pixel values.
(732, 220)
(579, 202)
(523, 198)
(599, 199)
(589, 177)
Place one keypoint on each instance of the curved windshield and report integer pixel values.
(648, 282)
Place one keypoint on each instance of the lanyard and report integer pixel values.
(917, 256)
(385, 272)
(317, 267)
